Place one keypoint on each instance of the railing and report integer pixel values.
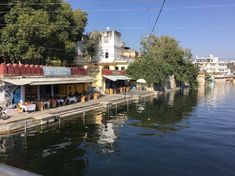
(9, 70)
(113, 72)
(78, 71)
(20, 70)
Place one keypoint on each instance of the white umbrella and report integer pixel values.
(141, 81)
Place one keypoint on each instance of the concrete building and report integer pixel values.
(37, 83)
(212, 65)
(129, 52)
(109, 72)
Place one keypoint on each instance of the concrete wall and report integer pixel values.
(170, 82)
(7, 94)
(201, 79)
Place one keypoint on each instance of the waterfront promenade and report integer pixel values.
(24, 120)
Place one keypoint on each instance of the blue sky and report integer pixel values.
(204, 26)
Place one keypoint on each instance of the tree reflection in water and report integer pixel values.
(69, 150)
(165, 111)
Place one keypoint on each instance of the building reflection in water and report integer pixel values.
(11, 142)
(171, 97)
(201, 92)
(74, 142)
(214, 93)
(108, 130)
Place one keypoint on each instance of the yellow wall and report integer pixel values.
(121, 65)
(99, 80)
(130, 53)
(62, 90)
(86, 86)
(79, 88)
(70, 90)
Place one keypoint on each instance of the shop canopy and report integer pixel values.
(116, 78)
(48, 81)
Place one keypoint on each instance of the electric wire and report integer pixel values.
(164, 1)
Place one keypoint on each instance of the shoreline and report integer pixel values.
(25, 120)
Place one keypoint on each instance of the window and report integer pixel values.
(122, 68)
(116, 68)
(106, 55)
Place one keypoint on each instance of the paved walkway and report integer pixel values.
(15, 116)
(17, 120)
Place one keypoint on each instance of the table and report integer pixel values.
(46, 104)
(72, 99)
(60, 101)
(23, 107)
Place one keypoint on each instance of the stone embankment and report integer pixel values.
(23, 121)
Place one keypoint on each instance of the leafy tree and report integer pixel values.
(4, 7)
(91, 46)
(152, 70)
(161, 57)
(41, 32)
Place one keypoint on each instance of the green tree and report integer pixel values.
(162, 57)
(41, 32)
(4, 8)
(152, 70)
(91, 46)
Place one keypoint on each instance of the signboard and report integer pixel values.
(57, 71)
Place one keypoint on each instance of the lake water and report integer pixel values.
(180, 133)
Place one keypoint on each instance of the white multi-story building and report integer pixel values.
(111, 47)
(212, 65)
(110, 70)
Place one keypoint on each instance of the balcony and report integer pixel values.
(113, 72)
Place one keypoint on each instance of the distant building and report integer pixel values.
(231, 66)
(212, 65)
(129, 52)
(110, 46)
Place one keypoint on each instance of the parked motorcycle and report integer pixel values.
(3, 114)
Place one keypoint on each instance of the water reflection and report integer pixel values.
(213, 94)
(55, 151)
(101, 144)
(82, 144)
(164, 112)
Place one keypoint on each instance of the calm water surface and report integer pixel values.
(182, 133)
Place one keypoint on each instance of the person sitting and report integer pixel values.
(21, 107)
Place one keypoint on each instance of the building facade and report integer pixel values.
(110, 46)
(212, 65)
(109, 71)
(27, 83)
(129, 52)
